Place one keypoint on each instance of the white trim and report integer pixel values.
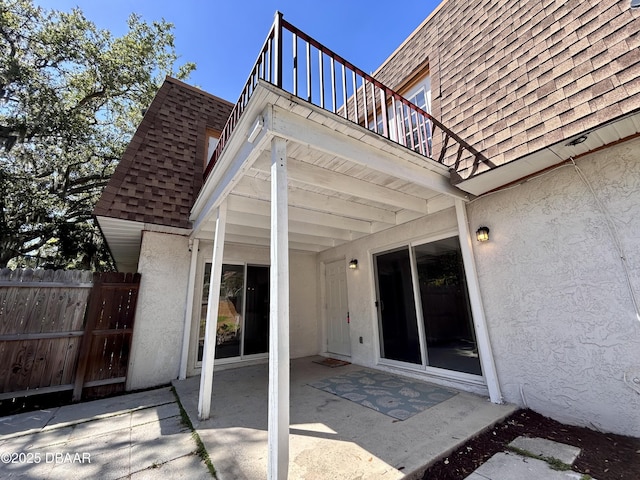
(278, 421)
(417, 301)
(477, 310)
(414, 241)
(466, 382)
(188, 314)
(208, 356)
(431, 371)
(373, 288)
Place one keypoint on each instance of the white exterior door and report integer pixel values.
(338, 337)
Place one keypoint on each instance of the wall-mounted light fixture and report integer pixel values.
(353, 264)
(482, 234)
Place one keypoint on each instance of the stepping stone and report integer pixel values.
(546, 448)
(510, 466)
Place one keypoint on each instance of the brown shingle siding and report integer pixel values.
(146, 186)
(553, 65)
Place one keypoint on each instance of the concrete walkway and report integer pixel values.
(331, 438)
(135, 436)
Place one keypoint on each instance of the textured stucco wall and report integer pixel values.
(302, 303)
(157, 335)
(562, 324)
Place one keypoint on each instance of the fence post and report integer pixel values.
(91, 317)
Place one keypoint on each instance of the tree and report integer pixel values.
(71, 96)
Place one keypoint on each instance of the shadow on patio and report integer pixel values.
(330, 437)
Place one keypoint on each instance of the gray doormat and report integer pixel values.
(394, 396)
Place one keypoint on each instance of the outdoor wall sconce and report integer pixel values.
(482, 234)
(353, 264)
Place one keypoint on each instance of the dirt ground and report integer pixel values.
(603, 456)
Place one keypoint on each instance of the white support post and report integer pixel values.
(188, 312)
(278, 435)
(477, 310)
(206, 375)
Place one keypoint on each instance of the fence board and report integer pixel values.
(105, 346)
(47, 337)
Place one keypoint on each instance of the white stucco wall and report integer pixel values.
(158, 330)
(303, 296)
(562, 324)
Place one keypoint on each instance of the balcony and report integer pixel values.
(361, 158)
(296, 63)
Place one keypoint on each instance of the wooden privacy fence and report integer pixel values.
(65, 331)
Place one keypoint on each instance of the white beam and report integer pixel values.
(296, 237)
(255, 188)
(206, 375)
(477, 310)
(265, 242)
(188, 314)
(432, 175)
(304, 228)
(345, 184)
(278, 434)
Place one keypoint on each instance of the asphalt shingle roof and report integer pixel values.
(160, 173)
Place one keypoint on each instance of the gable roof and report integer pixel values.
(160, 172)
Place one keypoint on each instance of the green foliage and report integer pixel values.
(71, 96)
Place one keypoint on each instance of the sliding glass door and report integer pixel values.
(243, 311)
(396, 307)
(423, 307)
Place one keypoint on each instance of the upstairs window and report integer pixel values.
(212, 142)
(416, 130)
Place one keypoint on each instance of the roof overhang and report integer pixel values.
(615, 131)
(124, 238)
(345, 181)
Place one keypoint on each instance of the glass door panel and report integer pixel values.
(256, 330)
(229, 330)
(396, 308)
(448, 324)
(231, 302)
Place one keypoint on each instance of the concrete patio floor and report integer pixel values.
(330, 437)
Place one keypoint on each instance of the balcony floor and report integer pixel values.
(330, 437)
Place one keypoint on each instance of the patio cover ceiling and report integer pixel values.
(345, 181)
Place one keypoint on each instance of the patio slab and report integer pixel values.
(139, 435)
(330, 437)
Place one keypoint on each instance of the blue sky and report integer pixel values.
(223, 36)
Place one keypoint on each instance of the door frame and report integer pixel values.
(450, 375)
(198, 302)
(324, 334)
